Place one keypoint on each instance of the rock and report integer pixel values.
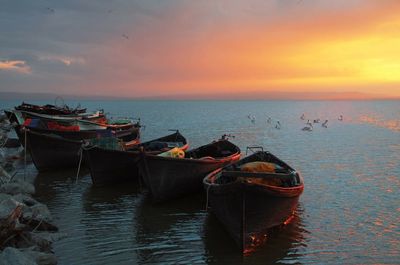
(51, 237)
(7, 207)
(37, 217)
(39, 225)
(8, 167)
(17, 187)
(43, 243)
(12, 143)
(40, 211)
(30, 178)
(23, 198)
(12, 256)
(4, 196)
(41, 258)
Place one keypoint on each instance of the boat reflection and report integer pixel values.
(49, 185)
(109, 194)
(270, 246)
(163, 230)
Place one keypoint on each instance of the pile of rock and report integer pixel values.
(26, 228)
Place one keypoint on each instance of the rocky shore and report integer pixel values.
(27, 230)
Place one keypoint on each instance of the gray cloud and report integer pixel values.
(46, 35)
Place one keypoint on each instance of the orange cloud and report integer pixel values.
(17, 66)
(304, 48)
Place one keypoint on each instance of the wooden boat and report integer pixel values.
(248, 203)
(115, 166)
(49, 151)
(50, 109)
(45, 122)
(74, 129)
(97, 117)
(62, 149)
(169, 177)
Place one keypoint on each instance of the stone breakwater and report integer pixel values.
(27, 230)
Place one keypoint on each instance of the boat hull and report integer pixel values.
(112, 166)
(250, 203)
(51, 152)
(109, 166)
(247, 212)
(169, 178)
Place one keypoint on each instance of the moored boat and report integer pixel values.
(253, 195)
(50, 109)
(70, 128)
(62, 149)
(108, 165)
(171, 177)
(49, 151)
(97, 117)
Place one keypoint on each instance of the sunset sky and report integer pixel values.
(202, 49)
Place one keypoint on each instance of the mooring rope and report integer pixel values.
(40, 222)
(85, 146)
(25, 156)
(79, 165)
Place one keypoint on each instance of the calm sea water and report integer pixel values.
(349, 212)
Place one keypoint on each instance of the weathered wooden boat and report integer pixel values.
(50, 109)
(74, 129)
(170, 177)
(49, 151)
(62, 149)
(109, 165)
(21, 119)
(97, 117)
(248, 202)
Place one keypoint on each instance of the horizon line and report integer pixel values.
(284, 96)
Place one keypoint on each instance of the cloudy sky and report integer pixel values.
(201, 48)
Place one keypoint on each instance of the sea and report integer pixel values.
(349, 212)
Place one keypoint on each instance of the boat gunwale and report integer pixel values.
(233, 157)
(273, 190)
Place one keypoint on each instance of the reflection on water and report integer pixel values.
(281, 245)
(389, 124)
(170, 232)
(348, 213)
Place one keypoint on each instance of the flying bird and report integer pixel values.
(125, 36)
(50, 9)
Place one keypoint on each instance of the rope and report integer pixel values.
(79, 165)
(85, 146)
(41, 220)
(25, 156)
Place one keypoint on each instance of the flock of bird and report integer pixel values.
(276, 123)
(309, 125)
